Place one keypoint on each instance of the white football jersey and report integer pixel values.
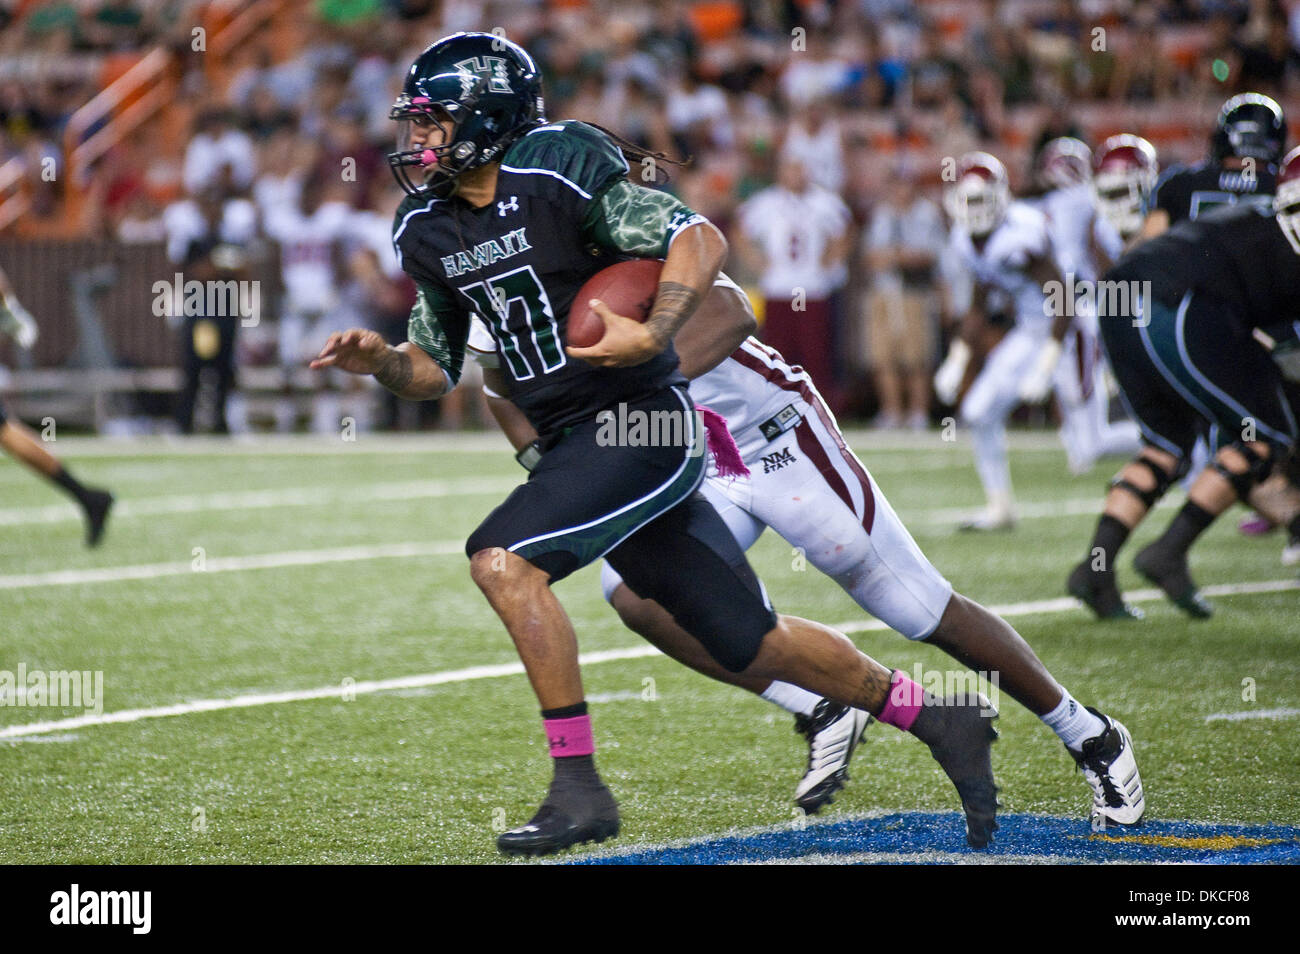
(1001, 264)
(307, 253)
(793, 231)
(1074, 225)
(759, 394)
(750, 389)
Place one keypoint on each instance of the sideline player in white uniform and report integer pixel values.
(309, 231)
(807, 485)
(1086, 246)
(1007, 248)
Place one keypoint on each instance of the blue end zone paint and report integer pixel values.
(921, 834)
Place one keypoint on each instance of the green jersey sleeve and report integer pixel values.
(440, 328)
(635, 220)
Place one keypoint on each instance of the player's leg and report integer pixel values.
(583, 497)
(1169, 426)
(713, 594)
(916, 357)
(1237, 386)
(20, 442)
(832, 729)
(992, 397)
(1076, 430)
(848, 530)
(882, 305)
(653, 623)
(1274, 499)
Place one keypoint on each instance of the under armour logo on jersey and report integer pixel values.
(511, 206)
(778, 460)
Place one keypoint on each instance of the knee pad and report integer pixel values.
(1257, 469)
(1163, 481)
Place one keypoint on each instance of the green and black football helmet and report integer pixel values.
(1250, 125)
(482, 90)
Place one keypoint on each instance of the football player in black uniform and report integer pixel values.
(24, 446)
(508, 216)
(1189, 356)
(1245, 148)
(1247, 143)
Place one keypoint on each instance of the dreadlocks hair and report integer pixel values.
(637, 155)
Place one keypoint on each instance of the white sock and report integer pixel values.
(792, 698)
(1072, 723)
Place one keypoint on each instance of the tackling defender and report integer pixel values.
(807, 485)
(508, 216)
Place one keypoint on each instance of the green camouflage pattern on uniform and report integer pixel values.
(637, 220)
(440, 329)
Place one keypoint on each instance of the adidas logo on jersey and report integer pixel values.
(778, 460)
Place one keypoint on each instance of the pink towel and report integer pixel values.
(726, 455)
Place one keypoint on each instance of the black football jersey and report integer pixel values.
(1188, 192)
(564, 209)
(1237, 254)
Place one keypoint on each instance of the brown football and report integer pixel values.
(628, 288)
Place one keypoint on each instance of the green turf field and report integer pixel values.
(362, 579)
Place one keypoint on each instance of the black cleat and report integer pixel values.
(1169, 572)
(591, 817)
(962, 746)
(1099, 593)
(98, 503)
(833, 731)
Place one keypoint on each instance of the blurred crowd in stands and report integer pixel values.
(857, 100)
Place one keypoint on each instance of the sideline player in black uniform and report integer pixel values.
(509, 216)
(23, 445)
(1186, 357)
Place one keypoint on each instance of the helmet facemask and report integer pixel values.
(430, 170)
(1122, 198)
(1286, 206)
(976, 204)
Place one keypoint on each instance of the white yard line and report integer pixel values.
(1253, 714)
(265, 561)
(513, 669)
(341, 691)
(261, 561)
(225, 501)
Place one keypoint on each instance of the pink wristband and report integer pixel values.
(569, 737)
(904, 702)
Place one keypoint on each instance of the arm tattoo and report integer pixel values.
(674, 303)
(396, 371)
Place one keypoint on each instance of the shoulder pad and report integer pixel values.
(579, 155)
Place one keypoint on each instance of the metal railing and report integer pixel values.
(145, 88)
